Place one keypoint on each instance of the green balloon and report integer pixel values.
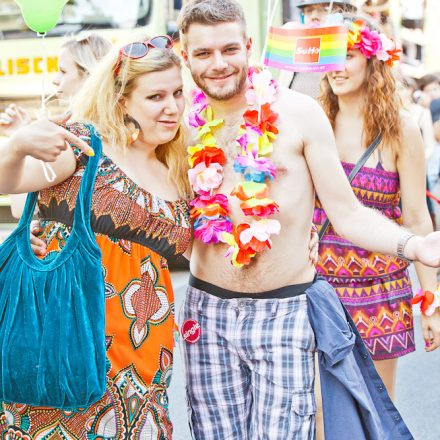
(41, 15)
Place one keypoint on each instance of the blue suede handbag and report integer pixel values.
(52, 312)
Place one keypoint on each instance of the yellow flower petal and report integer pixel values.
(208, 139)
(253, 187)
(194, 149)
(209, 113)
(228, 238)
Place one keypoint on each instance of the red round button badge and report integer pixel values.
(191, 331)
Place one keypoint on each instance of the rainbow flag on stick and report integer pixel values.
(321, 49)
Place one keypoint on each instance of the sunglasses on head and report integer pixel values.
(140, 49)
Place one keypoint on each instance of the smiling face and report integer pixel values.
(352, 79)
(157, 104)
(69, 78)
(218, 57)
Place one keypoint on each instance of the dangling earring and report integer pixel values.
(137, 128)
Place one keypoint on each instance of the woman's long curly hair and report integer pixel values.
(382, 102)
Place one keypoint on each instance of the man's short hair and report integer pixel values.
(209, 12)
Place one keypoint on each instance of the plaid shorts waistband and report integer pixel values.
(280, 293)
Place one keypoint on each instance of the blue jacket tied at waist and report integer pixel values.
(356, 405)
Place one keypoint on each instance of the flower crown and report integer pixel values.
(371, 43)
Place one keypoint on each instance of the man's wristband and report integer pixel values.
(401, 244)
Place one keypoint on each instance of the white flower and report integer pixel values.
(261, 230)
(387, 44)
(203, 179)
(263, 90)
(436, 303)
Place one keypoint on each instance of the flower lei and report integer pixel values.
(428, 300)
(371, 43)
(210, 212)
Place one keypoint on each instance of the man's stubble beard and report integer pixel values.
(238, 88)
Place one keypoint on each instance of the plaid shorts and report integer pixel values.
(249, 367)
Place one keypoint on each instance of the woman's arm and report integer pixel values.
(44, 140)
(411, 168)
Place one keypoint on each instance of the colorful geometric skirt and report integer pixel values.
(381, 309)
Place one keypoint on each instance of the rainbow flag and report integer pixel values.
(321, 49)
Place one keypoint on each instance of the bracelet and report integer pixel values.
(428, 300)
(401, 244)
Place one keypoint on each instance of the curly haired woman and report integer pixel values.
(361, 103)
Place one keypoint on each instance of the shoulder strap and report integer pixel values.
(29, 209)
(361, 162)
(292, 80)
(81, 216)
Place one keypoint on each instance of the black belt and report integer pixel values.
(282, 292)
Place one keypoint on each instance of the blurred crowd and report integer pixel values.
(421, 98)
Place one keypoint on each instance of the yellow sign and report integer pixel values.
(23, 64)
(26, 65)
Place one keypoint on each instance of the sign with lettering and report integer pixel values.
(320, 49)
(24, 62)
(191, 331)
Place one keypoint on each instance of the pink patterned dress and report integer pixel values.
(375, 288)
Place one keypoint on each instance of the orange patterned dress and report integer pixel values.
(137, 232)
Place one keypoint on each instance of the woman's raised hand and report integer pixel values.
(13, 118)
(46, 139)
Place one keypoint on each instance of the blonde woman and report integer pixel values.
(76, 59)
(140, 218)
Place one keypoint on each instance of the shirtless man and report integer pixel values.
(248, 344)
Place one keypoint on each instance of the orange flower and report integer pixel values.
(260, 208)
(428, 300)
(208, 211)
(209, 155)
(244, 256)
(254, 245)
(394, 56)
(267, 118)
(248, 190)
(354, 33)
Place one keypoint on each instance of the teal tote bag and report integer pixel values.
(52, 329)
